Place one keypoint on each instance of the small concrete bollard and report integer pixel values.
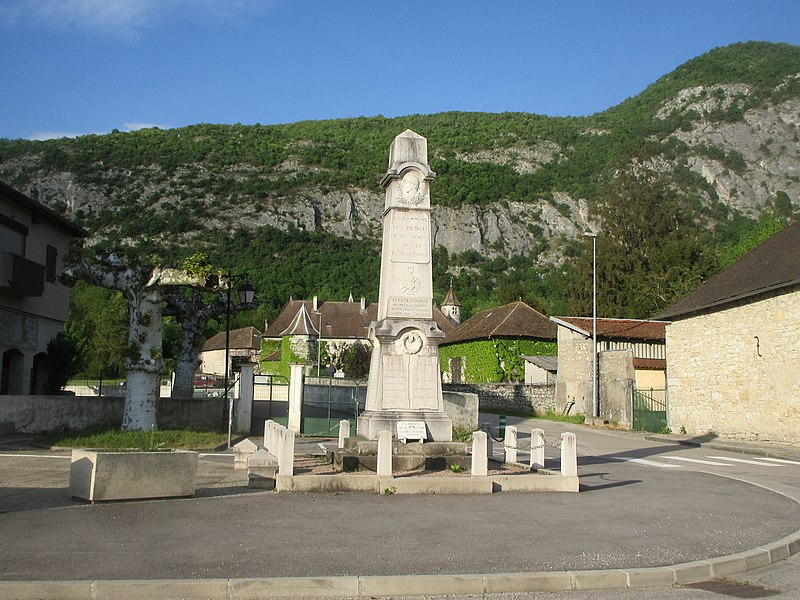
(261, 470)
(510, 444)
(569, 455)
(537, 449)
(344, 432)
(241, 452)
(384, 453)
(286, 451)
(480, 457)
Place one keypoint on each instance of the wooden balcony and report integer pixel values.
(20, 276)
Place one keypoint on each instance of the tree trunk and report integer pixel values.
(192, 310)
(186, 363)
(144, 362)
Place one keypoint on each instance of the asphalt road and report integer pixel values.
(641, 504)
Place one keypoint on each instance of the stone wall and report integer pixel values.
(616, 378)
(41, 414)
(462, 409)
(574, 379)
(735, 372)
(515, 397)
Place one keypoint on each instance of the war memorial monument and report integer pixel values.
(404, 393)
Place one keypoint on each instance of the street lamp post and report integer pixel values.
(247, 294)
(595, 402)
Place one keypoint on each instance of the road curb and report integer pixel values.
(405, 585)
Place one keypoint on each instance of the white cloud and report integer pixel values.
(115, 16)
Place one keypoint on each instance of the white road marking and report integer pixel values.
(697, 460)
(780, 460)
(744, 461)
(643, 461)
(67, 456)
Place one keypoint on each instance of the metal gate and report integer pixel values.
(270, 401)
(649, 410)
(328, 400)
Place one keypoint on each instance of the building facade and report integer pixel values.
(631, 354)
(734, 348)
(33, 303)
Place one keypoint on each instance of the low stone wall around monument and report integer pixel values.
(513, 397)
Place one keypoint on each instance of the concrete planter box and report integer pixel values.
(101, 475)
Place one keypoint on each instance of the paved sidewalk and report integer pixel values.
(626, 528)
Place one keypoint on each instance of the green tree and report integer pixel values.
(98, 324)
(649, 251)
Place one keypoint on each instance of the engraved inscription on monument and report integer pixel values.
(425, 373)
(411, 237)
(395, 382)
(413, 308)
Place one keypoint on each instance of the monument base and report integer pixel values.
(438, 425)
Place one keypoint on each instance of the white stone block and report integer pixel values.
(286, 451)
(269, 435)
(480, 458)
(384, 453)
(537, 449)
(344, 431)
(97, 476)
(510, 444)
(241, 453)
(569, 455)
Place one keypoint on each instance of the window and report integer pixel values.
(12, 237)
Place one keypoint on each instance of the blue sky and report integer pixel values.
(73, 67)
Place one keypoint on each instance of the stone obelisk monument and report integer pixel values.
(404, 379)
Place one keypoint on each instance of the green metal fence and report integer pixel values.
(649, 410)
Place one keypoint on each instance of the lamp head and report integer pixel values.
(247, 294)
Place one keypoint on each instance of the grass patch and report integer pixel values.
(114, 439)
(462, 435)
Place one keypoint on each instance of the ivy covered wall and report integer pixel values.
(288, 356)
(495, 360)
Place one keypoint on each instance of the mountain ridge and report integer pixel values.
(722, 128)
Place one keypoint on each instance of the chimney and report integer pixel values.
(363, 303)
(316, 304)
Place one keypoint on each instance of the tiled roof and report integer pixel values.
(626, 329)
(301, 324)
(341, 320)
(774, 265)
(450, 298)
(246, 338)
(516, 320)
(650, 364)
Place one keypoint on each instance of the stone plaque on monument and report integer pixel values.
(404, 379)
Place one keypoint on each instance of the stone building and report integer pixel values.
(33, 303)
(734, 348)
(631, 354)
(244, 346)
